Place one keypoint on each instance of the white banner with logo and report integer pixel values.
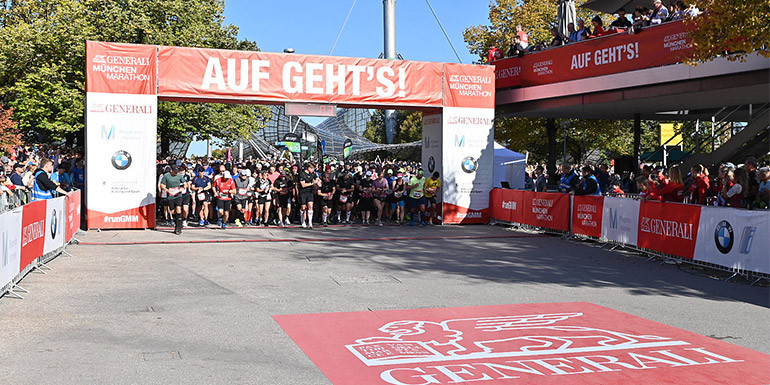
(468, 159)
(10, 245)
(54, 225)
(431, 144)
(121, 144)
(738, 239)
(620, 220)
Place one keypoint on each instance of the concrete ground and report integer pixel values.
(200, 313)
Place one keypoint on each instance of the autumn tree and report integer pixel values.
(10, 136)
(42, 62)
(739, 27)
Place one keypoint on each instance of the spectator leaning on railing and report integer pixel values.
(42, 186)
(659, 14)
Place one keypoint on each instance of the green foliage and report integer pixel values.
(409, 127)
(42, 61)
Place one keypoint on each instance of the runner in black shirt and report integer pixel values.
(326, 193)
(345, 186)
(308, 181)
(284, 185)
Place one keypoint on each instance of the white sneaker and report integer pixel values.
(379, 223)
(286, 221)
(184, 223)
(304, 225)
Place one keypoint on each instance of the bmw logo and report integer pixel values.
(121, 160)
(723, 237)
(431, 165)
(54, 224)
(470, 164)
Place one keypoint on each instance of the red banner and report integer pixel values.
(507, 205)
(587, 215)
(72, 207)
(138, 218)
(264, 76)
(549, 210)
(653, 46)
(33, 230)
(508, 73)
(456, 215)
(670, 228)
(469, 86)
(121, 68)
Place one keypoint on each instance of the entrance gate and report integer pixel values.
(125, 81)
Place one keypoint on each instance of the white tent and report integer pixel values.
(509, 166)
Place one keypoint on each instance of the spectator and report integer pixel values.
(79, 174)
(588, 185)
(494, 54)
(7, 166)
(582, 31)
(523, 36)
(659, 13)
(622, 21)
(573, 33)
(687, 11)
(700, 185)
(641, 19)
(603, 176)
(734, 187)
(753, 178)
(42, 186)
(541, 181)
(598, 27)
(16, 176)
(516, 48)
(762, 199)
(627, 183)
(671, 187)
(615, 188)
(569, 180)
(557, 39)
(646, 190)
(62, 177)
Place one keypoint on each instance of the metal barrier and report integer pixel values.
(16, 199)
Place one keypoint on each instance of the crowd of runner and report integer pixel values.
(283, 193)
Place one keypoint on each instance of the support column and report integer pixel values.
(208, 148)
(637, 141)
(389, 22)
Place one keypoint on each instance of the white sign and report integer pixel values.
(55, 224)
(10, 245)
(620, 220)
(738, 239)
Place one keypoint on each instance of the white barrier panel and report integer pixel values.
(10, 242)
(738, 239)
(54, 225)
(620, 220)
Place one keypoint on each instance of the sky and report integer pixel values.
(311, 26)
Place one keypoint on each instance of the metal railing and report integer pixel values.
(13, 199)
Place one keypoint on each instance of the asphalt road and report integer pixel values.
(200, 313)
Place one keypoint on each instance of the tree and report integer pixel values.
(10, 136)
(739, 27)
(408, 123)
(42, 57)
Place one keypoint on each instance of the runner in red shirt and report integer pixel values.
(224, 188)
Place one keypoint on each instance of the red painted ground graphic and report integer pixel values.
(550, 343)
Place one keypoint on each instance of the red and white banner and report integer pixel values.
(469, 86)
(652, 47)
(54, 224)
(542, 343)
(549, 210)
(33, 229)
(264, 76)
(10, 245)
(118, 68)
(670, 228)
(620, 220)
(507, 205)
(587, 211)
(738, 239)
(72, 207)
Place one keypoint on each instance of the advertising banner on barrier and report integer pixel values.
(587, 215)
(266, 76)
(738, 239)
(10, 245)
(507, 205)
(670, 228)
(653, 46)
(33, 232)
(72, 208)
(549, 210)
(468, 157)
(620, 220)
(55, 224)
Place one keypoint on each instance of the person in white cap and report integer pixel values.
(225, 189)
(241, 197)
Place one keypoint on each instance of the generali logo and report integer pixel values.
(122, 108)
(32, 231)
(682, 230)
(470, 120)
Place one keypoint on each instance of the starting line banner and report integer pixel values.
(733, 238)
(33, 231)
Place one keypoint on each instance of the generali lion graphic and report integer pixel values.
(411, 341)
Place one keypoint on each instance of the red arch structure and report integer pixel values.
(125, 81)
